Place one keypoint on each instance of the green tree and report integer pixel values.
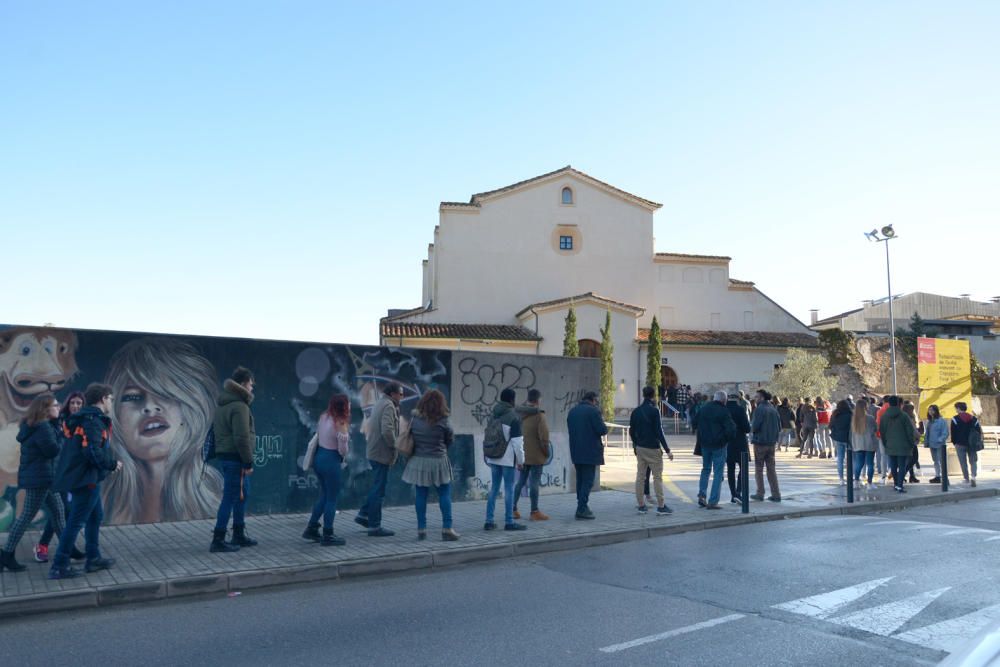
(607, 371)
(571, 346)
(653, 353)
(984, 381)
(803, 374)
(836, 344)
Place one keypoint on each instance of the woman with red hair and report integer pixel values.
(333, 443)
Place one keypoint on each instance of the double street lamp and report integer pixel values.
(885, 235)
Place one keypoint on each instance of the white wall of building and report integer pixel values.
(711, 367)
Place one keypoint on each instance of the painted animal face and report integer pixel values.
(32, 362)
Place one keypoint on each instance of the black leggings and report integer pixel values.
(34, 500)
(734, 487)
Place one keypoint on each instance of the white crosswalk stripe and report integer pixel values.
(951, 634)
(887, 618)
(968, 531)
(825, 605)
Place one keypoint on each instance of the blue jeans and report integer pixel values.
(235, 491)
(85, 512)
(444, 501)
(327, 467)
(862, 459)
(373, 505)
(532, 476)
(585, 476)
(712, 460)
(841, 452)
(506, 475)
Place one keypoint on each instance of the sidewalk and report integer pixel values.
(169, 560)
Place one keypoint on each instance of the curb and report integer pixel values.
(428, 560)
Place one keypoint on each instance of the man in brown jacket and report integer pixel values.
(381, 432)
(537, 451)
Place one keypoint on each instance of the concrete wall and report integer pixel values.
(727, 368)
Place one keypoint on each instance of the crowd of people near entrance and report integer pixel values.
(66, 456)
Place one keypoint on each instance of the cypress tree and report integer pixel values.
(571, 346)
(607, 371)
(654, 350)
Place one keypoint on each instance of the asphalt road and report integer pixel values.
(893, 589)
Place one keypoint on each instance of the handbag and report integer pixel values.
(404, 441)
(307, 460)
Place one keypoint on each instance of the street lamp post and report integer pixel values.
(884, 236)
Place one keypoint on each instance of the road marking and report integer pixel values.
(614, 648)
(921, 526)
(951, 634)
(887, 618)
(672, 487)
(889, 523)
(990, 539)
(828, 604)
(966, 531)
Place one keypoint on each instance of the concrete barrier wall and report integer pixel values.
(179, 377)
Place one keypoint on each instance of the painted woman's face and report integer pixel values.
(148, 423)
(75, 405)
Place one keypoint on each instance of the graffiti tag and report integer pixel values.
(266, 448)
(482, 383)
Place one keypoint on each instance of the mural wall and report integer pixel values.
(166, 387)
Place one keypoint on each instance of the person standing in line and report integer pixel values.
(537, 450)
(646, 432)
(683, 395)
(714, 428)
(73, 404)
(808, 434)
(881, 458)
(429, 465)
(84, 462)
(840, 431)
(765, 427)
(382, 431)
(914, 461)
(586, 448)
(936, 439)
(787, 417)
(863, 440)
(39, 449)
(897, 434)
(235, 439)
(504, 467)
(736, 447)
(823, 441)
(962, 425)
(333, 434)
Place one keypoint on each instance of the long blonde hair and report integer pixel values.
(859, 420)
(175, 370)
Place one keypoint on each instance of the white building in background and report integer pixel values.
(506, 266)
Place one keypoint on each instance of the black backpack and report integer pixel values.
(494, 442)
(976, 436)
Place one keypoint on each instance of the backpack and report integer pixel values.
(976, 437)
(208, 446)
(494, 442)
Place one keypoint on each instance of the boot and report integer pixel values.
(449, 535)
(312, 533)
(8, 561)
(219, 543)
(240, 537)
(331, 540)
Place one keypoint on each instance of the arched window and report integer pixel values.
(567, 196)
(590, 349)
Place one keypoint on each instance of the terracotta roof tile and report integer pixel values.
(772, 339)
(510, 332)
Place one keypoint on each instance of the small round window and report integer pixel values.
(567, 196)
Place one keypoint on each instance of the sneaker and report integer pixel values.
(63, 573)
(449, 535)
(664, 510)
(774, 499)
(902, 490)
(98, 564)
(380, 532)
(515, 526)
(642, 509)
(735, 500)
(361, 520)
(973, 482)
(41, 553)
(934, 480)
(713, 506)
(538, 515)
(757, 496)
(489, 525)
(701, 501)
(76, 554)
(585, 513)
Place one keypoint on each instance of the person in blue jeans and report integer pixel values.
(235, 439)
(429, 466)
(504, 467)
(380, 435)
(714, 428)
(84, 462)
(333, 443)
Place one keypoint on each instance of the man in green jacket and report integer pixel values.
(380, 435)
(234, 447)
(898, 435)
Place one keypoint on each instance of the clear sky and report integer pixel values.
(273, 170)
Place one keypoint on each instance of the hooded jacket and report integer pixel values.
(514, 454)
(897, 432)
(235, 437)
(537, 446)
(39, 450)
(961, 426)
(86, 458)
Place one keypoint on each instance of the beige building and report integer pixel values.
(506, 266)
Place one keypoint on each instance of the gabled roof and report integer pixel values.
(680, 256)
(839, 316)
(505, 332)
(476, 200)
(581, 298)
(403, 314)
(766, 339)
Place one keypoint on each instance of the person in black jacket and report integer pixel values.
(39, 448)
(85, 461)
(714, 428)
(736, 446)
(646, 432)
(840, 433)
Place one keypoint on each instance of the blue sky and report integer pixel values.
(273, 169)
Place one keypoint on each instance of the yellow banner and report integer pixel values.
(944, 374)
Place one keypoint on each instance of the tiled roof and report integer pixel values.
(403, 314)
(474, 200)
(740, 283)
(732, 338)
(583, 297)
(510, 332)
(681, 255)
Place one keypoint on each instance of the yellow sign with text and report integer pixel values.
(944, 374)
